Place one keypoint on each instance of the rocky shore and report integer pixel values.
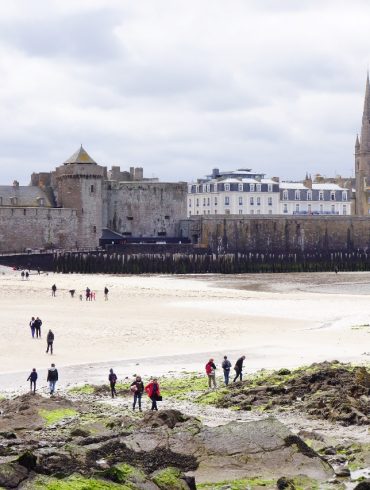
(302, 429)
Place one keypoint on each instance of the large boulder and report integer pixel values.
(12, 474)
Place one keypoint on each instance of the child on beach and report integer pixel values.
(32, 378)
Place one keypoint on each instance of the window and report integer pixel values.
(333, 208)
(269, 188)
(197, 201)
(258, 211)
(240, 201)
(309, 195)
(94, 229)
(258, 201)
(251, 201)
(269, 201)
(227, 187)
(215, 187)
(1, 201)
(321, 208)
(344, 209)
(204, 212)
(204, 187)
(285, 209)
(297, 208)
(252, 211)
(332, 196)
(285, 195)
(251, 187)
(297, 195)
(129, 218)
(344, 196)
(24, 212)
(208, 201)
(197, 188)
(189, 213)
(215, 211)
(258, 187)
(189, 203)
(270, 211)
(309, 209)
(227, 211)
(204, 201)
(215, 201)
(227, 200)
(240, 187)
(208, 187)
(240, 211)
(13, 201)
(321, 196)
(190, 187)
(92, 189)
(209, 212)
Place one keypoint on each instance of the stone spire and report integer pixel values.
(80, 157)
(357, 144)
(365, 130)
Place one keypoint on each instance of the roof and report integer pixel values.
(27, 196)
(110, 235)
(80, 157)
(292, 185)
(328, 187)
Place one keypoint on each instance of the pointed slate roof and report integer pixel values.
(80, 157)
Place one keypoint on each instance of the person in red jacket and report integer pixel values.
(152, 390)
(211, 373)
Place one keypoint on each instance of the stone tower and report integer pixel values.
(79, 186)
(362, 159)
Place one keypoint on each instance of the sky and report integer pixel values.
(183, 86)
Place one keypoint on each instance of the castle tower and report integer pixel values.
(362, 159)
(79, 186)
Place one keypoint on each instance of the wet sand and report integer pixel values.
(156, 324)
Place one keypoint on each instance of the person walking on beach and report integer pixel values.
(226, 366)
(32, 378)
(87, 294)
(106, 291)
(37, 323)
(53, 290)
(50, 340)
(137, 389)
(72, 292)
(52, 378)
(22, 275)
(239, 368)
(211, 373)
(32, 327)
(112, 381)
(153, 391)
(27, 275)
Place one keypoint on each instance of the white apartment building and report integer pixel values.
(313, 199)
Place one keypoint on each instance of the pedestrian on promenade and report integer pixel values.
(53, 290)
(52, 378)
(50, 340)
(211, 373)
(32, 378)
(32, 327)
(239, 368)
(37, 323)
(153, 391)
(226, 366)
(106, 291)
(112, 381)
(137, 389)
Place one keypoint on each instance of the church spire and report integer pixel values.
(365, 130)
(357, 144)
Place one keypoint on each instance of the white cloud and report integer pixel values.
(182, 86)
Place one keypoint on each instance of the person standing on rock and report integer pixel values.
(32, 327)
(52, 378)
(37, 323)
(226, 366)
(239, 368)
(32, 378)
(137, 389)
(112, 381)
(106, 291)
(152, 390)
(211, 373)
(53, 290)
(50, 340)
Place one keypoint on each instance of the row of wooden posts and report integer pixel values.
(232, 263)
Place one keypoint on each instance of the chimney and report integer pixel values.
(275, 179)
(16, 184)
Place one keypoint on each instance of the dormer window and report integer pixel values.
(240, 187)
(285, 195)
(309, 196)
(332, 196)
(251, 186)
(215, 187)
(297, 195)
(258, 187)
(321, 196)
(344, 197)
(41, 201)
(13, 201)
(227, 187)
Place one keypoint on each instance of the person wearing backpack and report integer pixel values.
(50, 340)
(211, 373)
(32, 378)
(137, 389)
(239, 368)
(112, 381)
(52, 378)
(226, 366)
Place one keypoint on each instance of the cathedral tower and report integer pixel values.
(362, 159)
(79, 186)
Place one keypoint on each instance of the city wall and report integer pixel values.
(278, 234)
(22, 228)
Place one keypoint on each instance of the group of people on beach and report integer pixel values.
(52, 378)
(35, 325)
(137, 389)
(89, 294)
(226, 367)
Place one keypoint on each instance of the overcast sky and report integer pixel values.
(181, 87)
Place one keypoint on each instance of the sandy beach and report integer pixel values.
(176, 322)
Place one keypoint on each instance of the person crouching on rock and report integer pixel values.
(152, 390)
(137, 389)
(32, 378)
(52, 378)
(211, 373)
(112, 381)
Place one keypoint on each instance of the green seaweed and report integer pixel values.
(74, 482)
(53, 416)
